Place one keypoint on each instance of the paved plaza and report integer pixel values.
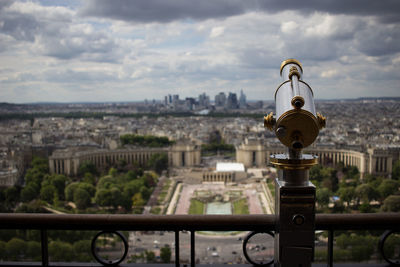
(252, 192)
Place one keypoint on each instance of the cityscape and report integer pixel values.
(216, 161)
(205, 132)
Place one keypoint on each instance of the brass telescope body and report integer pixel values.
(297, 126)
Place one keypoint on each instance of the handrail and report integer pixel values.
(190, 222)
(362, 221)
(137, 222)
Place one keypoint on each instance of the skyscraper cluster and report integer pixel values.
(221, 100)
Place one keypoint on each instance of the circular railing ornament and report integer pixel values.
(382, 240)
(95, 249)
(259, 249)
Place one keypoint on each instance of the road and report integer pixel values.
(210, 248)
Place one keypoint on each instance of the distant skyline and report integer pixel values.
(117, 51)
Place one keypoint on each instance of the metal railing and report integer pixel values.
(191, 223)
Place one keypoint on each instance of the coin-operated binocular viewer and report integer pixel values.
(296, 124)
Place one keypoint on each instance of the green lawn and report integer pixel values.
(161, 197)
(196, 207)
(271, 187)
(240, 207)
(155, 210)
(166, 185)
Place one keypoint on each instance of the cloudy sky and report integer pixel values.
(120, 50)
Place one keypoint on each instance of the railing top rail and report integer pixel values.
(138, 222)
(189, 222)
(362, 221)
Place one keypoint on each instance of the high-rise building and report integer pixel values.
(190, 103)
(242, 99)
(220, 99)
(204, 100)
(232, 102)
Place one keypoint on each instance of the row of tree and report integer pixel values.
(120, 187)
(344, 186)
(145, 140)
(16, 248)
(64, 245)
(115, 191)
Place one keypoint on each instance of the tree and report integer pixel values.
(47, 193)
(165, 254)
(347, 194)
(326, 176)
(103, 197)
(121, 165)
(116, 197)
(137, 200)
(61, 251)
(69, 191)
(59, 181)
(89, 178)
(315, 173)
(150, 256)
(374, 181)
(15, 247)
(88, 188)
(365, 208)
(149, 180)
(105, 182)
(132, 187)
(323, 196)
(41, 164)
(129, 190)
(37, 173)
(145, 192)
(87, 166)
(29, 192)
(3, 251)
(132, 175)
(11, 195)
(34, 176)
(396, 170)
(158, 162)
(113, 172)
(145, 140)
(366, 193)
(388, 187)
(81, 249)
(391, 203)
(81, 198)
(351, 172)
(33, 250)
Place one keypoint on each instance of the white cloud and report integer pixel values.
(216, 31)
(45, 13)
(289, 27)
(329, 73)
(59, 48)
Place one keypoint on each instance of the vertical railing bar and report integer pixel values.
(44, 245)
(177, 248)
(330, 248)
(192, 251)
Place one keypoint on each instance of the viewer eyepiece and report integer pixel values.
(295, 113)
